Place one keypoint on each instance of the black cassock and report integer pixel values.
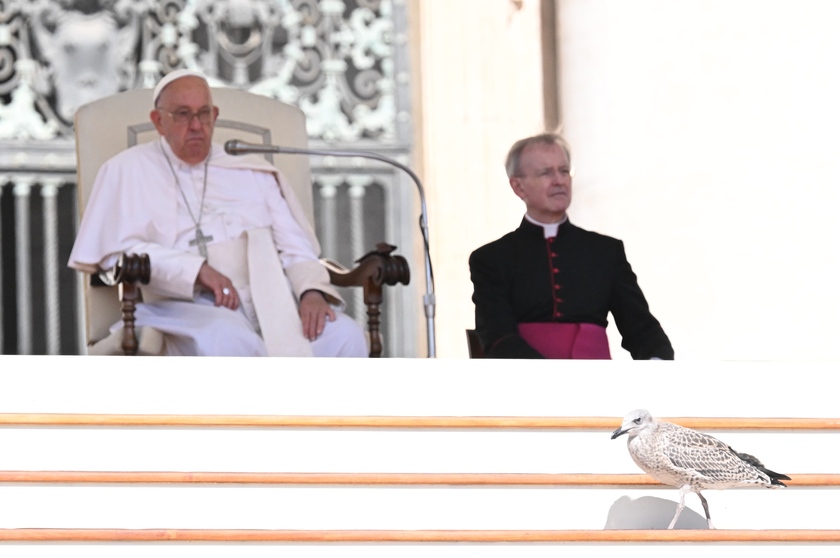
(576, 277)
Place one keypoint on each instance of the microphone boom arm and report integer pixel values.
(239, 147)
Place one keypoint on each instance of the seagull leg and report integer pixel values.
(683, 491)
(706, 509)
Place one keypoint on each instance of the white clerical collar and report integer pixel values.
(549, 229)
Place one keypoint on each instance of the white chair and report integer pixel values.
(109, 125)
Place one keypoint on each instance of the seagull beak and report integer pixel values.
(618, 432)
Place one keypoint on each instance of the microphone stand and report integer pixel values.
(239, 147)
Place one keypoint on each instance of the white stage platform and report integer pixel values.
(155, 415)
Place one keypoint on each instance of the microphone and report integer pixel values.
(239, 147)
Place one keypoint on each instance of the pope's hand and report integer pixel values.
(219, 285)
(314, 312)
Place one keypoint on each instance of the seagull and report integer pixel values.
(690, 460)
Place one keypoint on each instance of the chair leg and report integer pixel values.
(373, 301)
(129, 293)
(130, 270)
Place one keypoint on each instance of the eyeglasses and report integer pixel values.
(185, 117)
(551, 171)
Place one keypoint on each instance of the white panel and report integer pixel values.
(417, 387)
(262, 507)
(383, 451)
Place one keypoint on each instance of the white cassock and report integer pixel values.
(138, 206)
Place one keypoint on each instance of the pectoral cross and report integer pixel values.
(201, 241)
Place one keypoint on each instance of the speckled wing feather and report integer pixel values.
(707, 462)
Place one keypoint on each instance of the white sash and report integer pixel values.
(252, 264)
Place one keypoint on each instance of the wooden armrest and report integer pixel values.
(374, 269)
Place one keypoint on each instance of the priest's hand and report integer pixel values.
(219, 285)
(314, 312)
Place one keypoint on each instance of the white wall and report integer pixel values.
(705, 135)
(480, 76)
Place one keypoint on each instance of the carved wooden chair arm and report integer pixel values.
(129, 271)
(374, 269)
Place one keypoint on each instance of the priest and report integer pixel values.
(545, 289)
(235, 266)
